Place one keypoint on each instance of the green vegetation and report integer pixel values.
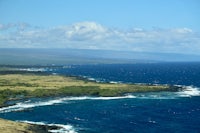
(11, 94)
(19, 86)
(16, 85)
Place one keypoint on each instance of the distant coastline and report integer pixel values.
(35, 56)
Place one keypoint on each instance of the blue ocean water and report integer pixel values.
(159, 73)
(135, 113)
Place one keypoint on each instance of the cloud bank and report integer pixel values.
(91, 35)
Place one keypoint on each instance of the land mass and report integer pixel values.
(20, 85)
(7, 126)
(31, 56)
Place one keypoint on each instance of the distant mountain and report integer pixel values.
(21, 56)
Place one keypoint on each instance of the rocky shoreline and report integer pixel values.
(7, 126)
(16, 85)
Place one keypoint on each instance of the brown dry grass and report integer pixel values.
(32, 82)
(7, 126)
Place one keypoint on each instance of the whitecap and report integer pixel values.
(189, 91)
(113, 82)
(30, 104)
(97, 98)
(91, 79)
(186, 91)
(113, 98)
(33, 69)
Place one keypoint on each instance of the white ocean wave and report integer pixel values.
(33, 69)
(91, 79)
(99, 98)
(28, 104)
(188, 91)
(113, 98)
(63, 128)
(113, 82)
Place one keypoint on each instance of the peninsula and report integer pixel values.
(20, 85)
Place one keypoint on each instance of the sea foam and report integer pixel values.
(188, 91)
(33, 69)
(30, 104)
(63, 128)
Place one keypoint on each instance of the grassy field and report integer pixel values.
(7, 126)
(14, 127)
(19, 86)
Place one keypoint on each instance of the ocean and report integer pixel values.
(170, 112)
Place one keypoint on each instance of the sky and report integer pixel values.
(166, 26)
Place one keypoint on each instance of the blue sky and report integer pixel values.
(136, 25)
(112, 13)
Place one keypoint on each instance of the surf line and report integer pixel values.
(61, 128)
(188, 91)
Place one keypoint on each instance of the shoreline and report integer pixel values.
(29, 85)
(9, 126)
(20, 85)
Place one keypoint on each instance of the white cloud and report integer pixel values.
(91, 35)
